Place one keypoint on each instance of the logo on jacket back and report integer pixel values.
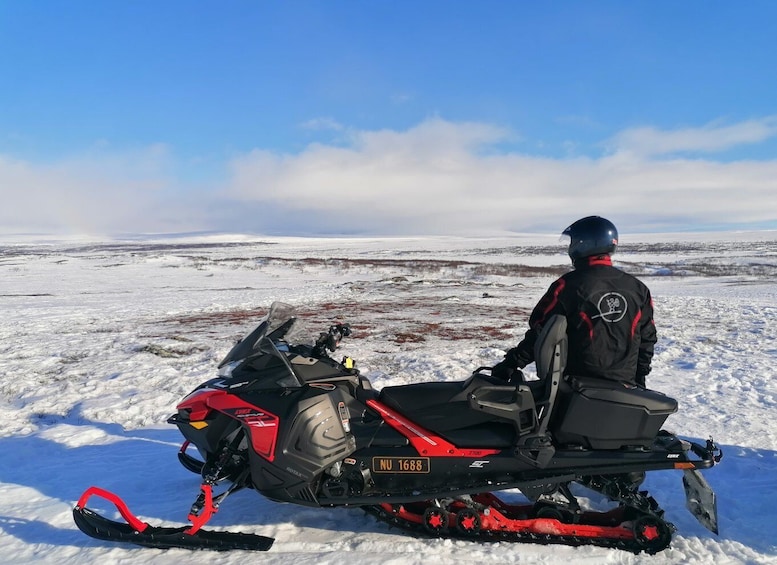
(612, 307)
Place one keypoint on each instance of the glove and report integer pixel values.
(508, 369)
(502, 371)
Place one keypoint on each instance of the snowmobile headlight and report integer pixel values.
(226, 370)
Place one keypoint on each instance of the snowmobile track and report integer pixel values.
(631, 545)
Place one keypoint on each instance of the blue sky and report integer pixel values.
(386, 117)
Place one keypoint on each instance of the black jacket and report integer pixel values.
(610, 322)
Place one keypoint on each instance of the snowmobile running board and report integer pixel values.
(138, 532)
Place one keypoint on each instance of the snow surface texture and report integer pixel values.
(98, 342)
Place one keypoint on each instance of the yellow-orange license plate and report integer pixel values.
(400, 464)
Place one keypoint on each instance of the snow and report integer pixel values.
(99, 340)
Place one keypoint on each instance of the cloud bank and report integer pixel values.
(439, 177)
(97, 192)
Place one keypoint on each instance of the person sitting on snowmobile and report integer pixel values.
(609, 313)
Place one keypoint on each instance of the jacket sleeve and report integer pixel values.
(550, 304)
(648, 338)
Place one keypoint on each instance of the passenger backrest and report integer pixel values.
(550, 360)
(550, 349)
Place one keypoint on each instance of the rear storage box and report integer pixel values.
(599, 414)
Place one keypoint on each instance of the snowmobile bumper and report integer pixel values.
(189, 462)
(138, 532)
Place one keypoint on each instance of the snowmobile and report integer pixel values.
(286, 419)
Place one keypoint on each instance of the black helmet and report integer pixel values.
(591, 236)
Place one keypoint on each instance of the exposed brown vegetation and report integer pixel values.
(410, 320)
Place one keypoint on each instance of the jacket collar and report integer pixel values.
(593, 260)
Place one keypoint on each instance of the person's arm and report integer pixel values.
(550, 304)
(648, 338)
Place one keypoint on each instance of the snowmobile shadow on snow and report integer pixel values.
(69, 453)
(38, 532)
(71, 469)
(739, 499)
(93, 451)
(285, 419)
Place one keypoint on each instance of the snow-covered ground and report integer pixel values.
(98, 341)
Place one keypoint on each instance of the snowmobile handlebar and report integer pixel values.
(330, 339)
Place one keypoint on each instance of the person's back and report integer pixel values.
(609, 319)
(609, 313)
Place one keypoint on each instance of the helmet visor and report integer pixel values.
(566, 236)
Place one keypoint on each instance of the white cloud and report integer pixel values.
(387, 179)
(322, 123)
(437, 177)
(95, 192)
(649, 141)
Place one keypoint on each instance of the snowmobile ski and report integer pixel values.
(140, 533)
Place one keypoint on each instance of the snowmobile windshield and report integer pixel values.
(277, 331)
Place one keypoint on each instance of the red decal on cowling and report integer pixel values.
(262, 425)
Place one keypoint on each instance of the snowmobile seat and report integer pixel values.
(415, 398)
(479, 412)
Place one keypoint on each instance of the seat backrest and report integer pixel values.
(550, 349)
(550, 360)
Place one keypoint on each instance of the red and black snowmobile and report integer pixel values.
(290, 422)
